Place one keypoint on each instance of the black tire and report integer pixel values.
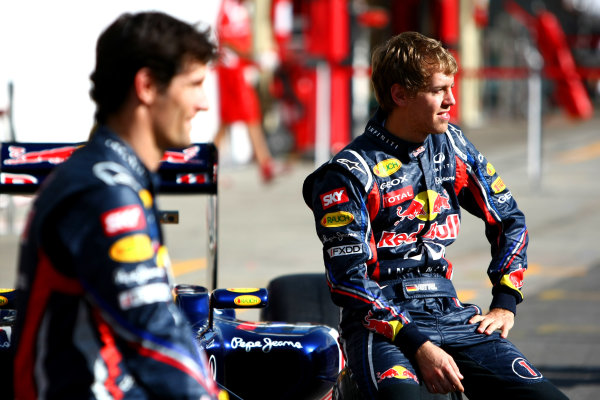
(300, 298)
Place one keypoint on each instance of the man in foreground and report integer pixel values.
(95, 315)
(385, 209)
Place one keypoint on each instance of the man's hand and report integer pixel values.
(496, 319)
(440, 372)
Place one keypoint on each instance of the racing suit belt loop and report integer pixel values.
(419, 288)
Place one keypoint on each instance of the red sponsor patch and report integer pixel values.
(398, 196)
(336, 196)
(123, 219)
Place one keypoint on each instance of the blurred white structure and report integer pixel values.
(47, 51)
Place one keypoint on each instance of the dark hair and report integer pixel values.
(408, 59)
(134, 41)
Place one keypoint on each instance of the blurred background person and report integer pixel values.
(238, 100)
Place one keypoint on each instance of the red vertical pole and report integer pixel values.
(449, 32)
(339, 50)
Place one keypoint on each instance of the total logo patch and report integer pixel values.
(123, 219)
(387, 167)
(336, 196)
(344, 250)
(132, 248)
(337, 219)
(398, 196)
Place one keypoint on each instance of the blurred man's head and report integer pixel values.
(151, 41)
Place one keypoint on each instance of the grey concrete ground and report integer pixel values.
(267, 231)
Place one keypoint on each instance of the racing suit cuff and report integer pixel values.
(409, 339)
(504, 300)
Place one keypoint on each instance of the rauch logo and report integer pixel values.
(335, 219)
(387, 167)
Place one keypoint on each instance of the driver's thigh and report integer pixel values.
(379, 368)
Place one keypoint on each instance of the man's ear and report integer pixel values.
(399, 94)
(145, 86)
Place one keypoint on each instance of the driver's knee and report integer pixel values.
(399, 391)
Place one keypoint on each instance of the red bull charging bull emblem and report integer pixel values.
(398, 372)
(425, 206)
(388, 329)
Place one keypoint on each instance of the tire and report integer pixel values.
(300, 298)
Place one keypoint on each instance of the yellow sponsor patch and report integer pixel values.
(133, 248)
(247, 300)
(490, 169)
(162, 258)
(146, 198)
(387, 167)
(335, 219)
(3, 301)
(498, 185)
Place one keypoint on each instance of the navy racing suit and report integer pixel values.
(385, 210)
(95, 315)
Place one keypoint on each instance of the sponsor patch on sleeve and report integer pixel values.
(337, 219)
(132, 248)
(336, 196)
(140, 275)
(345, 250)
(147, 294)
(498, 185)
(123, 219)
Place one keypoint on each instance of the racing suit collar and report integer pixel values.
(375, 128)
(111, 140)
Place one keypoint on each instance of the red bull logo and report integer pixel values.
(388, 329)
(514, 280)
(425, 206)
(180, 157)
(18, 155)
(398, 372)
(387, 167)
(447, 231)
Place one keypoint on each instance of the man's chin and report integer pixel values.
(441, 127)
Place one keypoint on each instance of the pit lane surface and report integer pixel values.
(267, 231)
